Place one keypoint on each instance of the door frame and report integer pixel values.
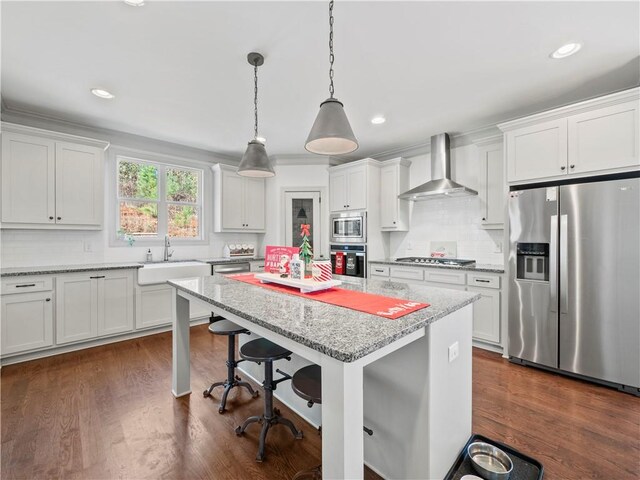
(324, 215)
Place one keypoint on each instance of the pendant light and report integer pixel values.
(255, 162)
(331, 133)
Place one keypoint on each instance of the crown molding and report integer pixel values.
(306, 159)
(65, 137)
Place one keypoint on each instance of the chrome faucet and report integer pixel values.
(167, 253)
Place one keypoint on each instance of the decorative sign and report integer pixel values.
(277, 258)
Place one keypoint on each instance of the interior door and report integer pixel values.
(600, 280)
(303, 208)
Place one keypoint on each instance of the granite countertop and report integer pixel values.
(50, 269)
(341, 333)
(476, 267)
(223, 260)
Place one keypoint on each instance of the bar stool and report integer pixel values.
(259, 351)
(230, 329)
(307, 384)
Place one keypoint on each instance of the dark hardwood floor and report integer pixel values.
(107, 412)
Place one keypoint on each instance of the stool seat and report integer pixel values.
(262, 350)
(226, 327)
(307, 383)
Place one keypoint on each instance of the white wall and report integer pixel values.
(451, 219)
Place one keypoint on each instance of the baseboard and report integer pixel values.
(489, 347)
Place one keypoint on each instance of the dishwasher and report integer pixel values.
(226, 269)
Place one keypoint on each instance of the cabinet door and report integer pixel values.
(492, 186)
(254, 204)
(153, 306)
(338, 191)
(537, 151)
(604, 139)
(357, 188)
(28, 179)
(76, 313)
(389, 197)
(27, 322)
(232, 201)
(115, 302)
(79, 179)
(486, 315)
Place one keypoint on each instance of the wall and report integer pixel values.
(451, 219)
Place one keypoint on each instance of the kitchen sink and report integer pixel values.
(154, 273)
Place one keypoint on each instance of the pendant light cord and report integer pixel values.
(331, 56)
(255, 98)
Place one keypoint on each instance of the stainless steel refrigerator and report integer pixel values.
(574, 263)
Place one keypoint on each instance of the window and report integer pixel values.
(156, 199)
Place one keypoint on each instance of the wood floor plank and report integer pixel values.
(107, 413)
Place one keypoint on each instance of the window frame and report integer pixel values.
(162, 202)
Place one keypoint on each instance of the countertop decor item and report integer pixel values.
(305, 285)
(306, 253)
(331, 133)
(255, 162)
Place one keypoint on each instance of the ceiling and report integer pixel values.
(179, 69)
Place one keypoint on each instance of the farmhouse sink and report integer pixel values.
(154, 273)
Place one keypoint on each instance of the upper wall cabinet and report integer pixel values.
(492, 187)
(50, 181)
(348, 187)
(239, 201)
(596, 136)
(394, 180)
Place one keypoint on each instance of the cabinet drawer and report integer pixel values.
(455, 278)
(485, 281)
(26, 284)
(380, 270)
(407, 273)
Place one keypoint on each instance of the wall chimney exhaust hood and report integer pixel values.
(440, 185)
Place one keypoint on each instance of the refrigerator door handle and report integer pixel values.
(553, 265)
(564, 264)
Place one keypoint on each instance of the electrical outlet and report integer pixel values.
(88, 247)
(454, 351)
(498, 248)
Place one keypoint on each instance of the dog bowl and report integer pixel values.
(489, 461)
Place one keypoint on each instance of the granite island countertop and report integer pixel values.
(51, 269)
(476, 267)
(338, 332)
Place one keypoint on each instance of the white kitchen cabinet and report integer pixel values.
(486, 315)
(93, 304)
(27, 322)
(492, 191)
(605, 138)
(49, 182)
(348, 188)
(394, 180)
(239, 204)
(537, 151)
(153, 306)
(601, 136)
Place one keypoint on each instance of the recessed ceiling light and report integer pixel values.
(566, 50)
(378, 120)
(134, 3)
(261, 139)
(102, 93)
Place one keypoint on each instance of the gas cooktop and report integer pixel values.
(455, 262)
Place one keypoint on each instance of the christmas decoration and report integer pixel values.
(306, 254)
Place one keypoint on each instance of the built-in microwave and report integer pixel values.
(349, 227)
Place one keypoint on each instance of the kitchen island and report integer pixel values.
(417, 397)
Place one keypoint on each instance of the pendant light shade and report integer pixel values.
(331, 133)
(255, 161)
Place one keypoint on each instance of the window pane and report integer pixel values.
(182, 185)
(139, 219)
(183, 221)
(137, 180)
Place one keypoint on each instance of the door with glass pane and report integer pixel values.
(303, 208)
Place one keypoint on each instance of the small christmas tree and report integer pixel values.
(306, 254)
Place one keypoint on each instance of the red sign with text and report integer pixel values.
(277, 258)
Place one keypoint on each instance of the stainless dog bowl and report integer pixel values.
(489, 461)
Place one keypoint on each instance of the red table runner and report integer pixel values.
(386, 307)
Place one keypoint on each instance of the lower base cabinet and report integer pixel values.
(154, 306)
(27, 322)
(93, 304)
(486, 315)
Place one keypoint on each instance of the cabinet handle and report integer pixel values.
(572, 166)
(484, 219)
(479, 280)
(394, 223)
(379, 271)
(99, 276)
(562, 167)
(26, 285)
(59, 218)
(50, 218)
(47, 299)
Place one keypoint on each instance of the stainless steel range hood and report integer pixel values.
(440, 185)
